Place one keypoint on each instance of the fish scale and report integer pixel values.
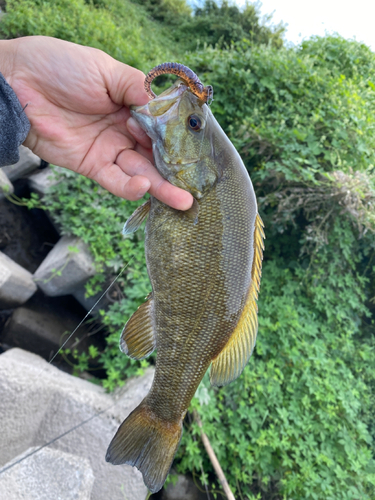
(204, 266)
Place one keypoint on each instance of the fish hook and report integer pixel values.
(205, 94)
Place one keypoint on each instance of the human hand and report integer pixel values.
(78, 102)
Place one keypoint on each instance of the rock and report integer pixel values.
(43, 324)
(26, 236)
(42, 180)
(90, 303)
(39, 403)
(16, 284)
(184, 489)
(47, 474)
(6, 187)
(27, 163)
(64, 269)
(32, 330)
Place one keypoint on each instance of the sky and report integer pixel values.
(351, 19)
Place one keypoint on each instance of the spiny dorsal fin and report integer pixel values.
(138, 337)
(136, 218)
(233, 358)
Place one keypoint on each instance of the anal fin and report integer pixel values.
(138, 338)
(229, 364)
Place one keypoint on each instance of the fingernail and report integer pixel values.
(187, 203)
(143, 190)
(134, 126)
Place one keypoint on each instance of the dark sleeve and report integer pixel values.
(14, 124)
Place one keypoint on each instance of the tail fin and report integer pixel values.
(147, 442)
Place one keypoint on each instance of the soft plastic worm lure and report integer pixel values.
(186, 74)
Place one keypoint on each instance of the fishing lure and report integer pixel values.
(205, 94)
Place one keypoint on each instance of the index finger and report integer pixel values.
(133, 164)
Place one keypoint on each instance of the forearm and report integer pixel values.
(14, 125)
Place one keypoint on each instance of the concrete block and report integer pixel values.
(27, 163)
(41, 180)
(45, 475)
(64, 270)
(6, 187)
(16, 284)
(39, 403)
(42, 326)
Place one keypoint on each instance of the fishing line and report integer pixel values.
(13, 464)
(93, 416)
(90, 311)
(99, 299)
(77, 426)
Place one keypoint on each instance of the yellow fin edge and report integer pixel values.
(229, 364)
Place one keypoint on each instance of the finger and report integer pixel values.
(172, 195)
(116, 181)
(138, 133)
(146, 152)
(134, 164)
(124, 83)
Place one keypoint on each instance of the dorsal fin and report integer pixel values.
(136, 218)
(138, 337)
(228, 365)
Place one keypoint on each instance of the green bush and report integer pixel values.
(298, 423)
(295, 425)
(223, 24)
(170, 12)
(118, 27)
(295, 117)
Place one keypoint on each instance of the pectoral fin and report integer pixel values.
(136, 219)
(228, 365)
(192, 212)
(138, 338)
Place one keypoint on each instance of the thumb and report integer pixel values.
(124, 83)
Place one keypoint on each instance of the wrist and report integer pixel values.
(8, 49)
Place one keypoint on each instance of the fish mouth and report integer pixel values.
(148, 114)
(144, 118)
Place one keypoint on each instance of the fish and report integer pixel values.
(204, 266)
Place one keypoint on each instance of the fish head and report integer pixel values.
(180, 126)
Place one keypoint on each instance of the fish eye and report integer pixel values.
(194, 122)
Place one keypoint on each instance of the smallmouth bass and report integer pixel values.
(204, 266)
